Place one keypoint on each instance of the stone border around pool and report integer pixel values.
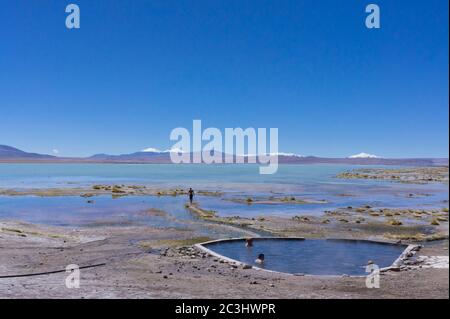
(410, 251)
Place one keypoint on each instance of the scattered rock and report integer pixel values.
(394, 222)
(435, 222)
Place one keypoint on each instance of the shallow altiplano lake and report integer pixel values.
(311, 256)
(310, 182)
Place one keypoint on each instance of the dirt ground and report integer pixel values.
(143, 262)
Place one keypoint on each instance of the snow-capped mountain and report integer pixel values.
(151, 150)
(286, 154)
(155, 150)
(275, 154)
(364, 155)
(10, 154)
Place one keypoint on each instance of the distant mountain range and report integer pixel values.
(10, 154)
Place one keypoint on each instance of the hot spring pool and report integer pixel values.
(311, 256)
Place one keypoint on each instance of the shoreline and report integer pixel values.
(145, 261)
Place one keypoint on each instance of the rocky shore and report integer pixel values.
(115, 190)
(415, 175)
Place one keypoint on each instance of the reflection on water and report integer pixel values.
(313, 182)
(74, 211)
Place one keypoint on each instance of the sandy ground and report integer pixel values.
(142, 262)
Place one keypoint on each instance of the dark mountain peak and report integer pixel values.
(9, 152)
(6, 148)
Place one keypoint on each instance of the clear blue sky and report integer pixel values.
(137, 69)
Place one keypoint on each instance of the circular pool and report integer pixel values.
(310, 256)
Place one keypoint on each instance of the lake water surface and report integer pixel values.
(311, 256)
(310, 182)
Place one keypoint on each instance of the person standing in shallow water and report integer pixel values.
(191, 195)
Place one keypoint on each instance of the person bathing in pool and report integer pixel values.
(260, 259)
